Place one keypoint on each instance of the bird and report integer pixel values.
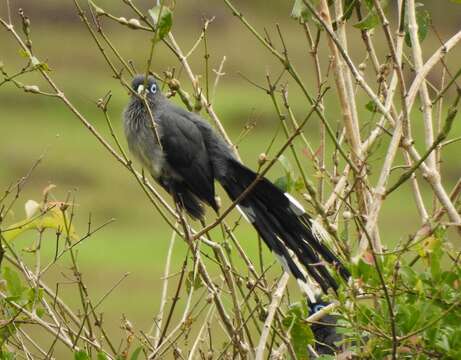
(325, 334)
(185, 156)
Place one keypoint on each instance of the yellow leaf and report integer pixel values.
(428, 246)
(53, 219)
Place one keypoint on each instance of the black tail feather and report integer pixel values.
(269, 227)
(282, 225)
(325, 251)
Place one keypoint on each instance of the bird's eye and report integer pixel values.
(153, 88)
(318, 307)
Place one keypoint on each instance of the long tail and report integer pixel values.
(283, 225)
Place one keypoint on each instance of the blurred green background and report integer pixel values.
(75, 162)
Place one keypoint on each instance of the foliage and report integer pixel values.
(423, 19)
(163, 19)
(426, 303)
(300, 332)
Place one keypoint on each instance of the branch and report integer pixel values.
(452, 112)
(276, 298)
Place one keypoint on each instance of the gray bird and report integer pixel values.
(326, 337)
(185, 156)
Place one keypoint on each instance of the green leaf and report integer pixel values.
(6, 355)
(287, 183)
(371, 106)
(300, 332)
(81, 355)
(368, 22)
(436, 269)
(282, 183)
(35, 294)
(165, 22)
(423, 19)
(440, 233)
(409, 275)
(301, 337)
(101, 356)
(13, 282)
(349, 7)
(299, 184)
(6, 332)
(372, 19)
(297, 10)
(31, 297)
(40, 312)
(365, 271)
(300, 11)
(456, 1)
(192, 282)
(407, 316)
(136, 353)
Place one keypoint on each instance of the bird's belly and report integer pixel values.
(152, 158)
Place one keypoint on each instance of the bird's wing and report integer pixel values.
(186, 153)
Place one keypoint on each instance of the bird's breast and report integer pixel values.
(144, 145)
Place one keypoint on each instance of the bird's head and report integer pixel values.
(316, 306)
(148, 88)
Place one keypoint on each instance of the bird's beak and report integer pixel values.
(140, 89)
